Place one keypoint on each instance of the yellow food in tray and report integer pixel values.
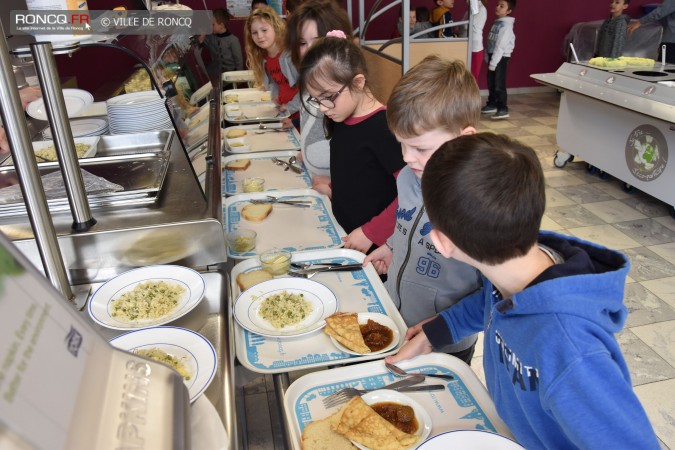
(49, 153)
(285, 309)
(620, 62)
(169, 360)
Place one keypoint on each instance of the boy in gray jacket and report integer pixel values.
(434, 102)
(500, 43)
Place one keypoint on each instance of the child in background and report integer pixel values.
(501, 42)
(478, 19)
(423, 23)
(310, 21)
(224, 46)
(270, 62)
(442, 15)
(435, 101)
(412, 19)
(364, 155)
(256, 4)
(550, 304)
(612, 33)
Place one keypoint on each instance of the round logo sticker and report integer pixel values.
(646, 153)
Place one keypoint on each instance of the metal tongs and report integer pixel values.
(270, 199)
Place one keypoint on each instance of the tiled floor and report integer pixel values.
(583, 205)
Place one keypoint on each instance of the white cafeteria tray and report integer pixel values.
(246, 95)
(464, 405)
(253, 112)
(276, 178)
(359, 291)
(264, 142)
(288, 227)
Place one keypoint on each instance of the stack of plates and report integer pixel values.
(82, 128)
(137, 112)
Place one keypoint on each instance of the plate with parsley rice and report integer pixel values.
(146, 297)
(187, 352)
(285, 307)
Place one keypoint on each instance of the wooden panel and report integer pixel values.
(383, 75)
(419, 50)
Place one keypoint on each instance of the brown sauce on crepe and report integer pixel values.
(401, 416)
(376, 336)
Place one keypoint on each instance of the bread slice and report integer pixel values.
(247, 279)
(238, 164)
(319, 435)
(256, 213)
(235, 133)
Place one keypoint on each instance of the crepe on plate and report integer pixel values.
(360, 423)
(344, 328)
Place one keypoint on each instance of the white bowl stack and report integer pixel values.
(137, 112)
(89, 126)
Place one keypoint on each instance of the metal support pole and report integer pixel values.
(45, 65)
(29, 177)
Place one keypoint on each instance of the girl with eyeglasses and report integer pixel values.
(270, 62)
(364, 155)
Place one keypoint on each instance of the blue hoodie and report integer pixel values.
(552, 365)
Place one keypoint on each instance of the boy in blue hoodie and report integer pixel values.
(549, 307)
(435, 101)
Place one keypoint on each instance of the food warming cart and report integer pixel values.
(621, 121)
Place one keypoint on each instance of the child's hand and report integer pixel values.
(417, 329)
(321, 184)
(380, 258)
(419, 345)
(286, 124)
(357, 240)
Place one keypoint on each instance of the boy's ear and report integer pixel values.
(442, 243)
(467, 130)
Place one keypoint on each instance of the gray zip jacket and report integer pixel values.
(420, 281)
(665, 14)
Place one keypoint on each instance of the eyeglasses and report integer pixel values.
(326, 102)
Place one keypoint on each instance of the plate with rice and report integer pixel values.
(146, 297)
(285, 307)
(187, 352)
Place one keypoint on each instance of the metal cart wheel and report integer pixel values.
(591, 169)
(603, 175)
(628, 188)
(561, 159)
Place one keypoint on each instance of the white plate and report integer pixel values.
(82, 127)
(75, 99)
(382, 320)
(135, 99)
(192, 281)
(196, 353)
(422, 416)
(323, 300)
(470, 440)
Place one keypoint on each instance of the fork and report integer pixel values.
(344, 395)
(310, 272)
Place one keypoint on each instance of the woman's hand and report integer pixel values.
(357, 240)
(380, 258)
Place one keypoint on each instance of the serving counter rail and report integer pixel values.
(621, 121)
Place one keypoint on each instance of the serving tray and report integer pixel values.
(464, 405)
(288, 227)
(359, 291)
(262, 166)
(253, 112)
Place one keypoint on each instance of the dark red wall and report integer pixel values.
(540, 28)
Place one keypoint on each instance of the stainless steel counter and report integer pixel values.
(621, 122)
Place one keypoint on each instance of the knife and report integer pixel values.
(425, 388)
(342, 268)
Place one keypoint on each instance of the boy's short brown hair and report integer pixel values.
(222, 17)
(435, 93)
(485, 192)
